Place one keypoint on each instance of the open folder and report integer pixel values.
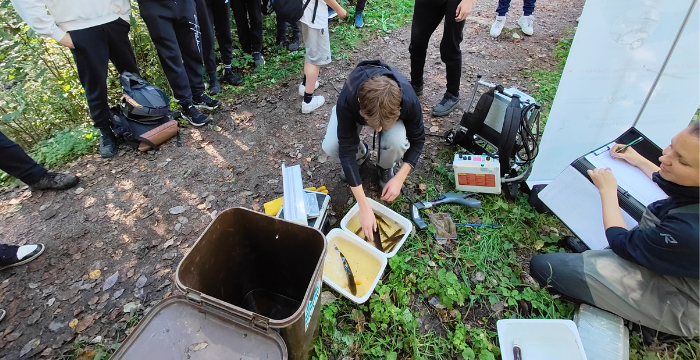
(573, 198)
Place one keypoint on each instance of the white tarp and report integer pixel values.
(618, 50)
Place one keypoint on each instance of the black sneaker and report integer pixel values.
(417, 89)
(280, 46)
(294, 45)
(448, 103)
(193, 116)
(205, 102)
(55, 181)
(108, 145)
(231, 78)
(18, 255)
(214, 86)
(384, 176)
(259, 59)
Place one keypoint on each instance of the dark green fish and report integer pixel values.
(378, 240)
(351, 277)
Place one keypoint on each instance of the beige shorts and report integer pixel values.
(318, 45)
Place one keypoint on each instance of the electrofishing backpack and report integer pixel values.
(292, 10)
(143, 136)
(142, 101)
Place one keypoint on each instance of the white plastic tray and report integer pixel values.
(365, 246)
(540, 339)
(380, 209)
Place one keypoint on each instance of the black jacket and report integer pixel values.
(670, 248)
(348, 113)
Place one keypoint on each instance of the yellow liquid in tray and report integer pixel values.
(365, 267)
(354, 226)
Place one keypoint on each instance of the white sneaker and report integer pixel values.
(497, 26)
(315, 103)
(526, 24)
(302, 88)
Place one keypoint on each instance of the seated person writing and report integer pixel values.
(650, 273)
(378, 96)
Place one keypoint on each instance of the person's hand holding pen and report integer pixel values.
(632, 157)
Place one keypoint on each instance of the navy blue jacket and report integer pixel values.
(348, 113)
(670, 248)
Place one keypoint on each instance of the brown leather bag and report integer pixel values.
(159, 135)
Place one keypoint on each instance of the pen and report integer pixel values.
(628, 145)
(480, 225)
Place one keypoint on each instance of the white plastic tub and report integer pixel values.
(351, 246)
(380, 209)
(540, 339)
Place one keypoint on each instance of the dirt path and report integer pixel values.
(118, 219)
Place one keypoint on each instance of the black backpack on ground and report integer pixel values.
(143, 102)
(142, 136)
(292, 10)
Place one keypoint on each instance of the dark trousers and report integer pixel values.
(249, 25)
(282, 29)
(16, 162)
(427, 15)
(207, 29)
(360, 6)
(564, 273)
(503, 5)
(220, 15)
(94, 48)
(175, 32)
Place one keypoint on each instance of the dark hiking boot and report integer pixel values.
(19, 255)
(294, 45)
(448, 103)
(231, 78)
(418, 89)
(214, 86)
(55, 181)
(108, 144)
(202, 101)
(258, 58)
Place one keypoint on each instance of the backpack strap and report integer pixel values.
(313, 18)
(151, 144)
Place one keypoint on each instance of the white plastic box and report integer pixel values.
(540, 339)
(339, 236)
(380, 209)
(604, 335)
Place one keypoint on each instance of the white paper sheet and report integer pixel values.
(630, 178)
(576, 201)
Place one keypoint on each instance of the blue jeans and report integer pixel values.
(503, 5)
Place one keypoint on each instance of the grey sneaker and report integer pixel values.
(448, 103)
(259, 59)
(108, 145)
(55, 181)
(384, 176)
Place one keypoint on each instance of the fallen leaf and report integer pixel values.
(87, 355)
(93, 301)
(177, 210)
(422, 188)
(197, 347)
(141, 282)
(31, 345)
(110, 281)
(256, 206)
(73, 323)
(95, 274)
(85, 323)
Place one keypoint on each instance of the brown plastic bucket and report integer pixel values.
(264, 270)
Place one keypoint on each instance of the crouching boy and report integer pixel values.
(380, 97)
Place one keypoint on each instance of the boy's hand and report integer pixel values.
(368, 223)
(392, 189)
(67, 41)
(342, 13)
(463, 10)
(604, 180)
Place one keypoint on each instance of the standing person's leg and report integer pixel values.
(256, 30)
(427, 15)
(219, 12)
(294, 44)
(120, 51)
(451, 55)
(359, 10)
(503, 6)
(240, 14)
(16, 162)
(318, 53)
(160, 18)
(91, 55)
(206, 28)
(527, 21)
(281, 32)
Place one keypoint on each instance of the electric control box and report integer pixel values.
(477, 173)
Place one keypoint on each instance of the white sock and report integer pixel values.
(25, 250)
(227, 66)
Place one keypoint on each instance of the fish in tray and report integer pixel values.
(351, 278)
(381, 239)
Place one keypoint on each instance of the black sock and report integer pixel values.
(308, 97)
(303, 81)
